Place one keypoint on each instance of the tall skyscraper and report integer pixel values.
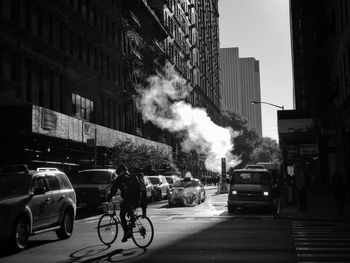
(240, 85)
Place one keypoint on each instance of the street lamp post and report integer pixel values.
(262, 102)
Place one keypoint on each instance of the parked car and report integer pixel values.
(187, 192)
(34, 201)
(171, 179)
(92, 187)
(250, 189)
(161, 189)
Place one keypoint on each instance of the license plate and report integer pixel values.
(249, 205)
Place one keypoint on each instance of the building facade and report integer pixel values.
(240, 85)
(321, 68)
(69, 68)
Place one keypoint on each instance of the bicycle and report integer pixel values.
(141, 228)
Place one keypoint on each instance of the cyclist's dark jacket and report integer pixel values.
(129, 187)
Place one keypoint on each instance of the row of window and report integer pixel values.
(49, 27)
(38, 84)
(83, 107)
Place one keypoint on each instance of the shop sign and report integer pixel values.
(308, 149)
(48, 120)
(292, 149)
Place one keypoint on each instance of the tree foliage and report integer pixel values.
(248, 139)
(144, 158)
(267, 150)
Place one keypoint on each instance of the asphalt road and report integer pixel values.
(204, 233)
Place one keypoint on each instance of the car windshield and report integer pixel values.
(154, 180)
(262, 178)
(92, 177)
(12, 184)
(181, 183)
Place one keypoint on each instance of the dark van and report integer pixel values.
(92, 187)
(250, 189)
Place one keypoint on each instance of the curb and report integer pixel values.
(314, 219)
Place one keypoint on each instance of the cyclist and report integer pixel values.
(130, 190)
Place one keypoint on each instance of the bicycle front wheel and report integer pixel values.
(143, 232)
(107, 229)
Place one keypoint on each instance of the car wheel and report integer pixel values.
(171, 204)
(20, 234)
(66, 226)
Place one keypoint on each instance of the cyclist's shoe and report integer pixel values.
(126, 236)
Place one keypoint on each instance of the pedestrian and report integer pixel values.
(338, 188)
(275, 191)
(300, 183)
(143, 199)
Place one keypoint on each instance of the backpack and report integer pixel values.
(133, 191)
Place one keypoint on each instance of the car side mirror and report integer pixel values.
(39, 191)
(228, 180)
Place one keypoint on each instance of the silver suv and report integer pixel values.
(34, 201)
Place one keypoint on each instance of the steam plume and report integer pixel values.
(163, 103)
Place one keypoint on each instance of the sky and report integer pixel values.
(261, 29)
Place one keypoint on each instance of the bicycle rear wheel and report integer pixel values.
(143, 232)
(107, 229)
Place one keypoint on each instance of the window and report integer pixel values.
(39, 182)
(53, 183)
(29, 80)
(80, 48)
(14, 67)
(51, 29)
(71, 44)
(41, 84)
(82, 107)
(64, 181)
(28, 19)
(40, 22)
(61, 36)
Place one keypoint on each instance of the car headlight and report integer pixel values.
(234, 192)
(266, 193)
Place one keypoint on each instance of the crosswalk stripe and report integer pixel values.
(321, 242)
(324, 255)
(322, 248)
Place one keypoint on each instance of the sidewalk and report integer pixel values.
(321, 206)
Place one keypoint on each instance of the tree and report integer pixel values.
(267, 150)
(138, 158)
(248, 139)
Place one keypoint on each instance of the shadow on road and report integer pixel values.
(85, 213)
(6, 250)
(228, 240)
(103, 253)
